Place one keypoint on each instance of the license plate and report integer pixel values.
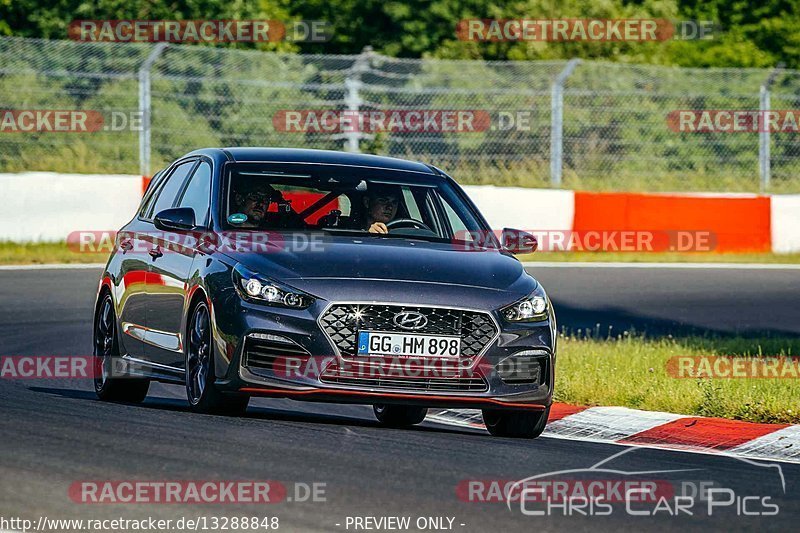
(404, 344)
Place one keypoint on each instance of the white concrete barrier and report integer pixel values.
(524, 209)
(47, 206)
(785, 223)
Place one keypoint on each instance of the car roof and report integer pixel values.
(327, 157)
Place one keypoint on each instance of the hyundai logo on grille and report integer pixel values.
(410, 320)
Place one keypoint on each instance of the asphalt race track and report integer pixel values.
(55, 433)
(677, 300)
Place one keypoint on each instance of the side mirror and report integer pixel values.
(518, 241)
(175, 219)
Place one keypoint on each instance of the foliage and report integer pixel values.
(752, 35)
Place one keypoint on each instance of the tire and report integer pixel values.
(106, 349)
(399, 415)
(515, 424)
(203, 395)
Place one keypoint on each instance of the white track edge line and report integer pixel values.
(663, 447)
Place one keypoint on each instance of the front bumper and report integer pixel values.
(288, 353)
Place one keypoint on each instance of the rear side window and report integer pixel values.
(197, 193)
(165, 197)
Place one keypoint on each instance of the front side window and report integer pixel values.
(198, 193)
(149, 194)
(457, 224)
(165, 196)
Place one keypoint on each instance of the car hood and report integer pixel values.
(374, 269)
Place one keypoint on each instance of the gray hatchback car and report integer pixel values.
(324, 276)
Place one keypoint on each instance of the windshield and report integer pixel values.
(340, 199)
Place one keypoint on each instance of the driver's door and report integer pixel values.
(171, 271)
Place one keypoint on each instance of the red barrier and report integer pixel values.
(738, 224)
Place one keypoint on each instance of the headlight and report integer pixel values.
(534, 308)
(257, 288)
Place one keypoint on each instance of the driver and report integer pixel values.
(381, 203)
(252, 199)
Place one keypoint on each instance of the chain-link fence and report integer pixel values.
(585, 125)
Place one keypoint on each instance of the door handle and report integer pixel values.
(156, 252)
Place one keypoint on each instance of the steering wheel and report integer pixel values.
(408, 222)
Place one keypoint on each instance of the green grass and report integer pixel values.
(662, 257)
(13, 253)
(631, 371)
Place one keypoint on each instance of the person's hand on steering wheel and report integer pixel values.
(378, 227)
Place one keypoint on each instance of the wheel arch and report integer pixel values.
(196, 294)
(104, 289)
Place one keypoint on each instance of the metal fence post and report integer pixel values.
(763, 139)
(557, 122)
(144, 108)
(352, 98)
(764, 162)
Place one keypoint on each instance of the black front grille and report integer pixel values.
(356, 378)
(343, 321)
